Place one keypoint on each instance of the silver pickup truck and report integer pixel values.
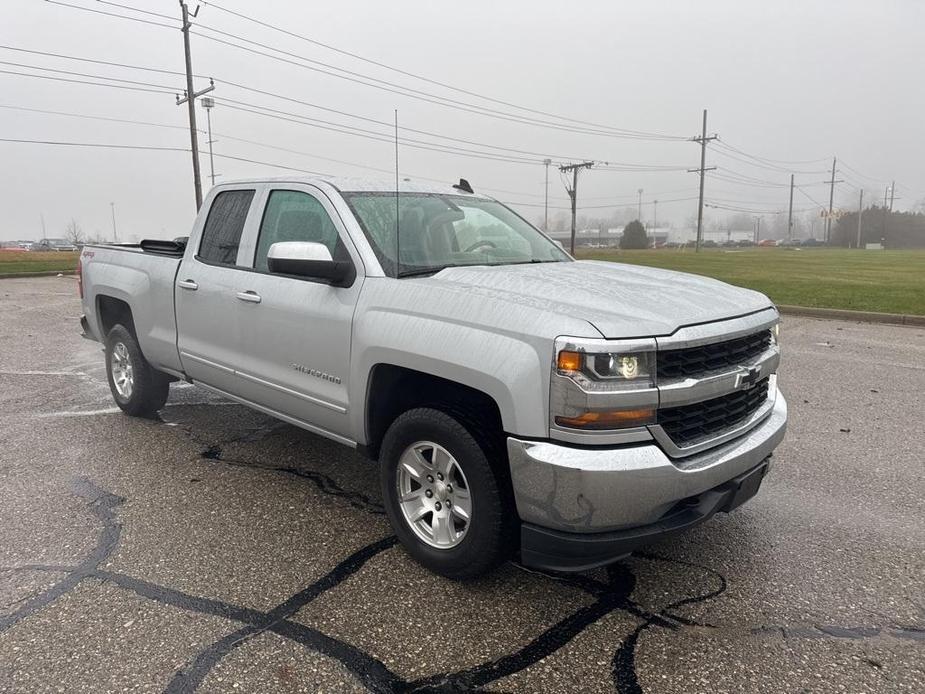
(518, 401)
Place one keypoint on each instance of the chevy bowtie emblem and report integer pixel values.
(747, 378)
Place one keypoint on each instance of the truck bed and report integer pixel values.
(144, 277)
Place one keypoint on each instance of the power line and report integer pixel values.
(608, 166)
(368, 81)
(426, 79)
(760, 165)
(268, 163)
(312, 155)
(724, 143)
(368, 134)
(96, 84)
(48, 54)
(137, 9)
(592, 207)
(406, 91)
(112, 14)
(84, 74)
(91, 117)
(93, 144)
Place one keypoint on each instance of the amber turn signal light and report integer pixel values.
(608, 419)
(568, 361)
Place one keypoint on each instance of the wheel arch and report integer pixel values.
(393, 389)
(112, 311)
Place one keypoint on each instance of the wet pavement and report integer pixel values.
(218, 550)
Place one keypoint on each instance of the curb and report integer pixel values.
(861, 316)
(45, 273)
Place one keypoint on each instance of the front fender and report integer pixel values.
(509, 368)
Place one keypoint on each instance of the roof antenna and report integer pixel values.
(464, 186)
(397, 228)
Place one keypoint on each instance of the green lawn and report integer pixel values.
(890, 281)
(12, 262)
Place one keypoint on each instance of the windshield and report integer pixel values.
(440, 231)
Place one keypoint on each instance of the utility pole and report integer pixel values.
(546, 163)
(703, 140)
(573, 191)
(860, 212)
(115, 236)
(190, 100)
(655, 214)
(757, 229)
(828, 219)
(892, 189)
(639, 209)
(790, 213)
(885, 215)
(44, 234)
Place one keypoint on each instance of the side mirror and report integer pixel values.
(309, 259)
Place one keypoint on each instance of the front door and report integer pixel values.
(295, 352)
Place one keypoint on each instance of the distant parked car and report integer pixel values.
(25, 245)
(54, 245)
(709, 244)
(746, 243)
(767, 243)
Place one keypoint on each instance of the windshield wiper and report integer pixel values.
(534, 260)
(437, 268)
(424, 271)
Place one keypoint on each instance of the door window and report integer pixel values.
(292, 215)
(222, 233)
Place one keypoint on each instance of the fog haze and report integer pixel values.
(783, 81)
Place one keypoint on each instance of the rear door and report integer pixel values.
(295, 350)
(209, 328)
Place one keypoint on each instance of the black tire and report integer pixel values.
(150, 387)
(488, 539)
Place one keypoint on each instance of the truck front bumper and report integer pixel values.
(586, 507)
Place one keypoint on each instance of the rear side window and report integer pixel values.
(291, 215)
(222, 233)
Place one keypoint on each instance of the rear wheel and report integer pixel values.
(139, 389)
(443, 496)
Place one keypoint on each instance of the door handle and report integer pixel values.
(249, 296)
(188, 284)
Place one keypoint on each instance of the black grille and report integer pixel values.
(694, 361)
(690, 423)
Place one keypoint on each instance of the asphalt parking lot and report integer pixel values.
(217, 549)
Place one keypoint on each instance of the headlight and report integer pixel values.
(608, 370)
(775, 334)
(601, 385)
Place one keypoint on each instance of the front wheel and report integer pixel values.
(138, 388)
(442, 495)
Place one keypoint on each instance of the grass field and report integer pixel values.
(890, 281)
(13, 262)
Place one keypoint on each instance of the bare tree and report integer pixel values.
(73, 233)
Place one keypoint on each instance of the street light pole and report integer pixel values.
(208, 103)
(546, 162)
(115, 236)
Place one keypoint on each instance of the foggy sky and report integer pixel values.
(782, 80)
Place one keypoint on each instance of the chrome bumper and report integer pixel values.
(588, 490)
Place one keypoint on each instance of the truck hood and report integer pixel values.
(618, 300)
